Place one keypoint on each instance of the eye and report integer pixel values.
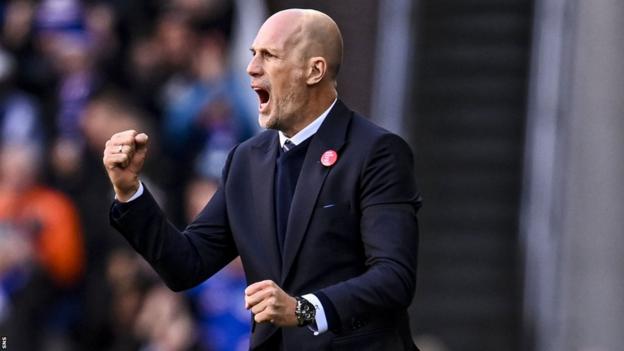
(268, 54)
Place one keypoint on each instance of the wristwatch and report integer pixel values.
(304, 311)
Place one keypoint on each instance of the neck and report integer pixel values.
(316, 105)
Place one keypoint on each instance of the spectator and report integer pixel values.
(58, 60)
(67, 46)
(164, 322)
(43, 225)
(106, 111)
(19, 115)
(206, 112)
(218, 304)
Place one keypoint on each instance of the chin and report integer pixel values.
(262, 120)
(267, 121)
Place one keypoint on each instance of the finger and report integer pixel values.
(252, 300)
(126, 149)
(141, 140)
(107, 147)
(118, 149)
(125, 137)
(265, 316)
(253, 288)
(259, 296)
(116, 160)
(261, 306)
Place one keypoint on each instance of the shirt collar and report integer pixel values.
(308, 131)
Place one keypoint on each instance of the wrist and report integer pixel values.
(125, 194)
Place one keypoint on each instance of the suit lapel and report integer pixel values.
(264, 199)
(330, 136)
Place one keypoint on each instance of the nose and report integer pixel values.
(254, 68)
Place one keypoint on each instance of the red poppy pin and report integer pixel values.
(328, 158)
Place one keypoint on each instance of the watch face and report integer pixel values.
(305, 312)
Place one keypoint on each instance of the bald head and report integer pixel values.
(313, 32)
(323, 39)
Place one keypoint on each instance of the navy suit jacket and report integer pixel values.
(352, 233)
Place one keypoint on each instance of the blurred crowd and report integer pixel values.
(72, 73)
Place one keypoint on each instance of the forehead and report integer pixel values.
(278, 33)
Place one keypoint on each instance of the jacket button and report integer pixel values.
(356, 324)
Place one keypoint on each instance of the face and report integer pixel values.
(277, 71)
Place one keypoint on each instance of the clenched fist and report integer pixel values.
(269, 303)
(123, 159)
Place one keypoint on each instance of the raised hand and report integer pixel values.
(123, 159)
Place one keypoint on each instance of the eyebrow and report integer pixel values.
(269, 49)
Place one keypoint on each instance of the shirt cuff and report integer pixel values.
(321, 320)
(136, 195)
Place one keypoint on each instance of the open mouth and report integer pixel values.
(263, 96)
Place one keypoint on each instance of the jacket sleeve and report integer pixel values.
(389, 202)
(182, 259)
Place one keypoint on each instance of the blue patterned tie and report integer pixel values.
(288, 145)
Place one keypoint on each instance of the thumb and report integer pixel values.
(140, 141)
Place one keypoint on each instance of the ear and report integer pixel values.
(317, 68)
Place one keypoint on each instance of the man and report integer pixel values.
(321, 207)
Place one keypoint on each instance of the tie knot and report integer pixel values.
(288, 145)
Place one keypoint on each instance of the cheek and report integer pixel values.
(296, 96)
(291, 89)
(288, 87)
(288, 80)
